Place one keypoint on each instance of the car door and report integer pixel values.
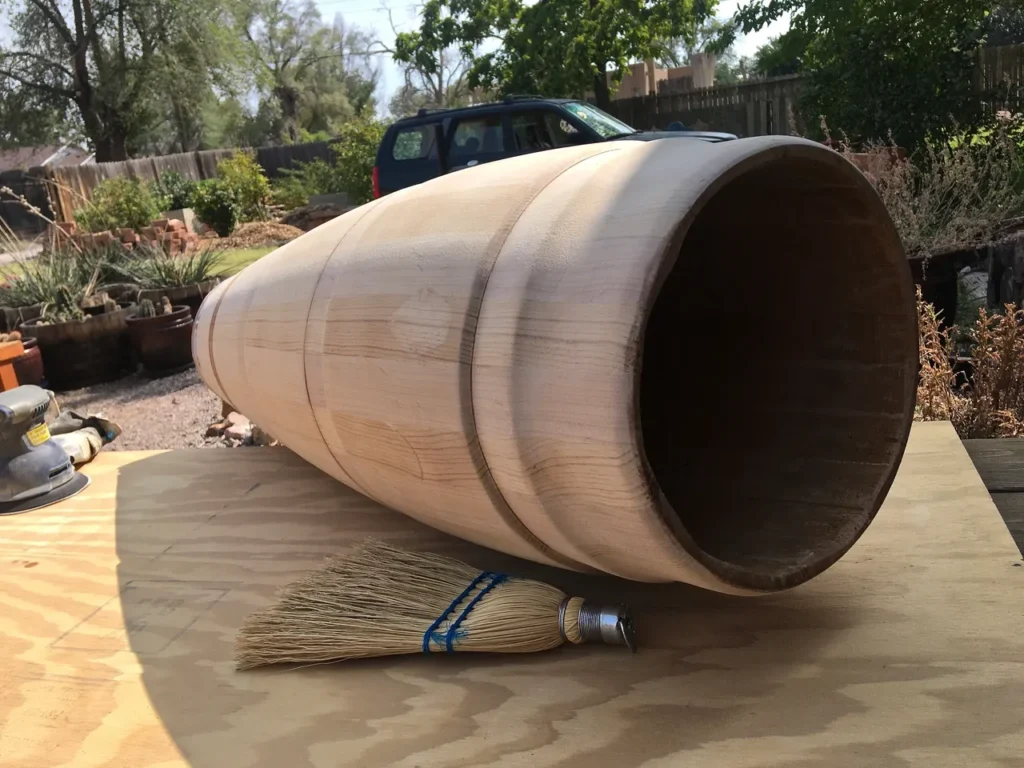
(475, 139)
(412, 159)
(529, 132)
(534, 130)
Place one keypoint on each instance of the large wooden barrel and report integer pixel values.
(667, 360)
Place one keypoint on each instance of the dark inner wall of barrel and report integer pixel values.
(776, 391)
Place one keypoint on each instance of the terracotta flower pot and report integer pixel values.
(29, 366)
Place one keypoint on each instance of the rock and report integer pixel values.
(240, 428)
(236, 418)
(216, 430)
(260, 437)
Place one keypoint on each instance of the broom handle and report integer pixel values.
(609, 624)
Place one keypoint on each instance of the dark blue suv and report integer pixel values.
(435, 142)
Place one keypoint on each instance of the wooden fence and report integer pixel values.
(761, 108)
(999, 77)
(72, 185)
(772, 106)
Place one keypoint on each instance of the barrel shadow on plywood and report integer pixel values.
(203, 538)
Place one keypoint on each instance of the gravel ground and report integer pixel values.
(170, 412)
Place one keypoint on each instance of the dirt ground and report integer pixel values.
(170, 412)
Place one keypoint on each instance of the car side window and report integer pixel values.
(414, 143)
(562, 132)
(530, 132)
(475, 138)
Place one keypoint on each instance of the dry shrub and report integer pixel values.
(949, 196)
(992, 404)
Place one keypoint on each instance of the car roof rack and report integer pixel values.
(522, 97)
(424, 111)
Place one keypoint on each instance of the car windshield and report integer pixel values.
(606, 125)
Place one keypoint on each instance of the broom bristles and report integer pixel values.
(380, 601)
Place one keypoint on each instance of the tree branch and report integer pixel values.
(42, 59)
(52, 13)
(53, 90)
(92, 33)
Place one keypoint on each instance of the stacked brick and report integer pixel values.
(169, 234)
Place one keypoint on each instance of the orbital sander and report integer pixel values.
(34, 470)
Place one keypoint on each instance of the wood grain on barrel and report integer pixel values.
(390, 346)
(469, 351)
(118, 611)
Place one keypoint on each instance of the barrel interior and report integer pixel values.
(777, 373)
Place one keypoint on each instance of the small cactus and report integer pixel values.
(146, 308)
(165, 306)
(14, 336)
(109, 305)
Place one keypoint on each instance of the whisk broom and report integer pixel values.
(384, 601)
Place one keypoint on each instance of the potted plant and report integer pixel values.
(79, 349)
(161, 335)
(184, 280)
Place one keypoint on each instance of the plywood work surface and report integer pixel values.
(118, 610)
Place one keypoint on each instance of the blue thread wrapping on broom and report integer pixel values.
(449, 636)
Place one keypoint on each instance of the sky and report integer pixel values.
(371, 14)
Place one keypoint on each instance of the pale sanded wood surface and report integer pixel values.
(118, 611)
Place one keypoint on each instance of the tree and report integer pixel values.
(553, 47)
(106, 60)
(30, 117)
(877, 66)
(782, 55)
(710, 36)
(433, 77)
(313, 75)
(731, 70)
(1005, 26)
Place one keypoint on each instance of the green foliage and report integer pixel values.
(216, 205)
(878, 66)
(295, 185)
(178, 191)
(289, 193)
(38, 281)
(119, 202)
(354, 156)
(164, 271)
(1005, 25)
(556, 47)
(782, 55)
(248, 184)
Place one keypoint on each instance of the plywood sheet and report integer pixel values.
(118, 610)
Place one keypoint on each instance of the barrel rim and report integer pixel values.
(759, 152)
